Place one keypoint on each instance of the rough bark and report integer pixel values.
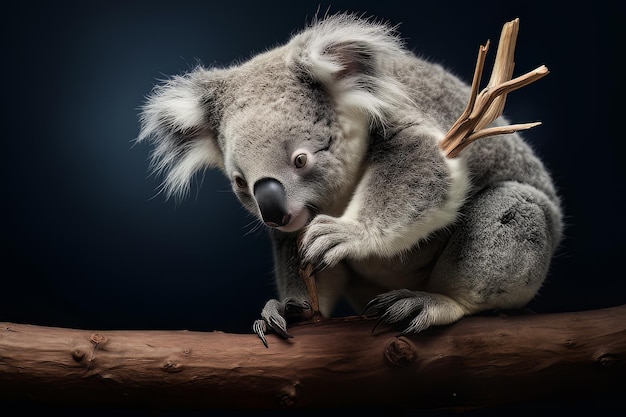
(480, 361)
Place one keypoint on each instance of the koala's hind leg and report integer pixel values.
(497, 257)
(499, 254)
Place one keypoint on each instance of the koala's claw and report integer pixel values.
(275, 314)
(316, 268)
(382, 304)
(421, 309)
(260, 327)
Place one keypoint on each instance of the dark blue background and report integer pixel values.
(87, 242)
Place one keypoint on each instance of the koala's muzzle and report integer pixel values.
(270, 196)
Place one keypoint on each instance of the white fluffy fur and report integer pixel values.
(175, 108)
(322, 50)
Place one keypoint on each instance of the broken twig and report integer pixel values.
(486, 106)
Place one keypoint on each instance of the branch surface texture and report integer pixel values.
(481, 361)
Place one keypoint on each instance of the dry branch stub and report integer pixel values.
(484, 107)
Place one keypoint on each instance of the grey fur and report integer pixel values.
(338, 131)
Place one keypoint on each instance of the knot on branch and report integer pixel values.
(606, 360)
(172, 366)
(98, 339)
(288, 395)
(78, 355)
(400, 352)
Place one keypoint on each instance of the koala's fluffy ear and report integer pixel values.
(179, 117)
(347, 54)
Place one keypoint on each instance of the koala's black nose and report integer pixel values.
(270, 196)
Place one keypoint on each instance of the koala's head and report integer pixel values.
(289, 128)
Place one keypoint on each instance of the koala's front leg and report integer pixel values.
(408, 190)
(293, 304)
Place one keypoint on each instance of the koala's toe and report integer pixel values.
(420, 309)
(297, 309)
(260, 328)
(379, 304)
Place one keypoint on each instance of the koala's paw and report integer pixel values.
(328, 240)
(420, 309)
(276, 314)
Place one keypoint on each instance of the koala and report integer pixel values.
(332, 141)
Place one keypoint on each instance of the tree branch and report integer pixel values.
(479, 361)
(486, 106)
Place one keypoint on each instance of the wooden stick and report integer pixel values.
(309, 281)
(485, 107)
(311, 289)
(457, 132)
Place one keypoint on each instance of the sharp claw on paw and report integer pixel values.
(259, 328)
(372, 308)
(378, 323)
(313, 268)
(276, 314)
(382, 302)
(417, 310)
(279, 327)
(391, 308)
(294, 306)
(318, 268)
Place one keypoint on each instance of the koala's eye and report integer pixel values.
(240, 182)
(300, 160)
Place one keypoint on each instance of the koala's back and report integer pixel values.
(440, 97)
